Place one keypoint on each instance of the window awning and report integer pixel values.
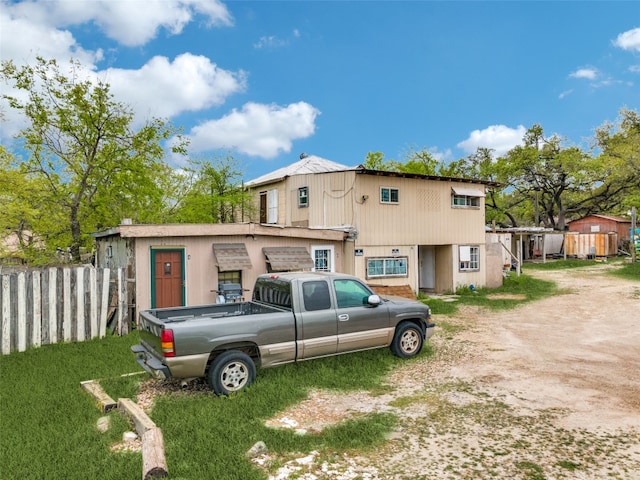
(231, 256)
(284, 259)
(468, 192)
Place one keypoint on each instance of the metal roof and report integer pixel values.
(308, 164)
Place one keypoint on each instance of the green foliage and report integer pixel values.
(91, 166)
(215, 193)
(515, 290)
(620, 157)
(560, 264)
(629, 271)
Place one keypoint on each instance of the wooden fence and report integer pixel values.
(70, 304)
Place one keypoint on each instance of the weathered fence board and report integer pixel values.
(41, 307)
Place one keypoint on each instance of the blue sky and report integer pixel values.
(268, 80)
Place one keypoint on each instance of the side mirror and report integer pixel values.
(374, 300)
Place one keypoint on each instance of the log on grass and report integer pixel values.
(140, 419)
(104, 401)
(154, 464)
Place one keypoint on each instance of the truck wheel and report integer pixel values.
(230, 372)
(407, 340)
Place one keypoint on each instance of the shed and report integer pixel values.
(602, 224)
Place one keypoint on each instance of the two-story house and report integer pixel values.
(404, 229)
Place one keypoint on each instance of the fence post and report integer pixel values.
(6, 315)
(66, 304)
(104, 303)
(22, 313)
(36, 334)
(93, 286)
(53, 305)
(122, 300)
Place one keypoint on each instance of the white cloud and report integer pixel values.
(588, 73)
(634, 68)
(164, 89)
(270, 42)
(500, 138)
(564, 94)
(44, 40)
(629, 40)
(257, 129)
(130, 23)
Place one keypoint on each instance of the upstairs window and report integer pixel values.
(388, 195)
(466, 197)
(303, 197)
(465, 201)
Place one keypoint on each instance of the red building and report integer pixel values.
(602, 224)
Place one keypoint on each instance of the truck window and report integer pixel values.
(350, 293)
(316, 295)
(275, 292)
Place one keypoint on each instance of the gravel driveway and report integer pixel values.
(549, 390)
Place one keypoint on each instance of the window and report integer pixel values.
(465, 201)
(466, 197)
(303, 197)
(469, 258)
(234, 276)
(322, 258)
(388, 195)
(316, 296)
(272, 206)
(351, 293)
(387, 267)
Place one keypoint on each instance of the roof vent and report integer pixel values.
(303, 155)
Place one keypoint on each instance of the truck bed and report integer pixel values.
(181, 314)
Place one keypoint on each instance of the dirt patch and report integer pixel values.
(548, 390)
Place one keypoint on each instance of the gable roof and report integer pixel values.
(307, 164)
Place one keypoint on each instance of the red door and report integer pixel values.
(168, 279)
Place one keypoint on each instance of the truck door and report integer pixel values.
(360, 326)
(318, 327)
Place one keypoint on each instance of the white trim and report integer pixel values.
(330, 259)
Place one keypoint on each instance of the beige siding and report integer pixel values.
(201, 270)
(331, 199)
(423, 215)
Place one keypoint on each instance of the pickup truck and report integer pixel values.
(291, 317)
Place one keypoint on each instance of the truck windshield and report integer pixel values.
(273, 291)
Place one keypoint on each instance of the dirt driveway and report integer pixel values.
(546, 391)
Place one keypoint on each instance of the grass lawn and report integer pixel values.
(48, 423)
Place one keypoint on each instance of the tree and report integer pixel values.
(619, 147)
(376, 161)
(82, 145)
(216, 194)
(548, 176)
(421, 162)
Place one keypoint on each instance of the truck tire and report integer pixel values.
(407, 340)
(230, 372)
